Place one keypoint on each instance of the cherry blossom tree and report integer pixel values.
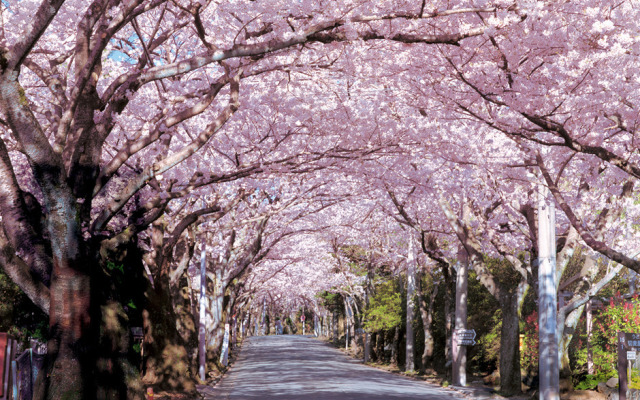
(568, 90)
(129, 129)
(102, 101)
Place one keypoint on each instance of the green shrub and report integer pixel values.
(590, 382)
(529, 356)
(385, 308)
(619, 315)
(18, 315)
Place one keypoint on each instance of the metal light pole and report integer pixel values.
(547, 298)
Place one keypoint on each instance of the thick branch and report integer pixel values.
(319, 32)
(46, 164)
(472, 247)
(16, 222)
(593, 290)
(39, 23)
(135, 146)
(185, 223)
(588, 238)
(18, 271)
(187, 245)
(598, 151)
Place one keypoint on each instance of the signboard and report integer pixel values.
(628, 345)
(462, 334)
(137, 332)
(302, 318)
(631, 341)
(465, 337)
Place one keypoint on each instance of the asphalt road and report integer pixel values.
(298, 367)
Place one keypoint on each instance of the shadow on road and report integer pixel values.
(300, 367)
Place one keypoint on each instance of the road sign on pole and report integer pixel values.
(628, 345)
(465, 337)
(462, 334)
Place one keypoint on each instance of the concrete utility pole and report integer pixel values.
(547, 298)
(202, 350)
(458, 352)
(411, 290)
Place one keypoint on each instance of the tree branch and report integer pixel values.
(16, 222)
(18, 271)
(588, 238)
(39, 23)
(161, 166)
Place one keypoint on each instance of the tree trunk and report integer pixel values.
(590, 365)
(69, 364)
(568, 328)
(215, 343)
(350, 321)
(510, 379)
(395, 345)
(186, 323)
(335, 327)
(216, 304)
(90, 360)
(426, 313)
(256, 325)
(379, 348)
(166, 359)
(367, 347)
(234, 331)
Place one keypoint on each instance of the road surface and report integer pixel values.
(289, 367)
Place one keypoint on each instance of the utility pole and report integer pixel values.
(411, 289)
(202, 350)
(547, 298)
(459, 352)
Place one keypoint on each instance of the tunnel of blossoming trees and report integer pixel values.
(326, 159)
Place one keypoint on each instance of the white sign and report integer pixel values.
(631, 355)
(465, 334)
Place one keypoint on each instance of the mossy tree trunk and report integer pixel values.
(426, 313)
(510, 378)
(167, 361)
